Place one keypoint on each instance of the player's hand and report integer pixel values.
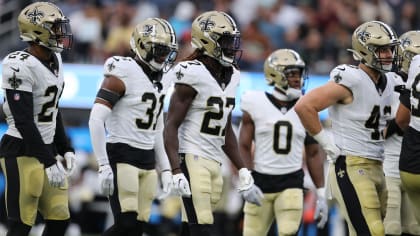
(106, 180)
(181, 187)
(328, 144)
(166, 182)
(321, 210)
(249, 191)
(70, 159)
(56, 175)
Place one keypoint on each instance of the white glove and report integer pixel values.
(249, 191)
(56, 175)
(166, 182)
(181, 186)
(328, 144)
(321, 210)
(106, 179)
(70, 162)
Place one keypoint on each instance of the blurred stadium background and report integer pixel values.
(320, 30)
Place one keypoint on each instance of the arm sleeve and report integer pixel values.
(97, 119)
(61, 141)
(21, 107)
(162, 160)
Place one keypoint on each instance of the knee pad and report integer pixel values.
(17, 228)
(55, 227)
(377, 228)
(289, 228)
(393, 228)
(413, 229)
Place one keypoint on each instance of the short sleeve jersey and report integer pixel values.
(134, 117)
(24, 72)
(279, 135)
(203, 130)
(357, 126)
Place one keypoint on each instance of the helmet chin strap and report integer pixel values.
(289, 94)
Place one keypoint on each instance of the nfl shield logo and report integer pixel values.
(16, 97)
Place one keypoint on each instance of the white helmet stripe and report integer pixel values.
(168, 28)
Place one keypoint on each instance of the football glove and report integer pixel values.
(181, 187)
(321, 210)
(56, 175)
(328, 144)
(166, 183)
(106, 180)
(70, 159)
(249, 191)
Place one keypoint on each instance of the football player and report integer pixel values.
(270, 122)
(408, 118)
(33, 83)
(359, 99)
(198, 131)
(128, 106)
(399, 216)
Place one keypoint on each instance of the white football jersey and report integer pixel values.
(357, 126)
(414, 85)
(279, 137)
(24, 72)
(134, 117)
(393, 143)
(203, 130)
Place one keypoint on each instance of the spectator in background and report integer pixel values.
(256, 46)
(120, 30)
(87, 27)
(184, 14)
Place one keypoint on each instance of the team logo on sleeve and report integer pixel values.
(111, 66)
(179, 74)
(14, 81)
(338, 78)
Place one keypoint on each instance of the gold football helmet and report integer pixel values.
(369, 39)
(277, 67)
(44, 23)
(154, 42)
(410, 46)
(216, 33)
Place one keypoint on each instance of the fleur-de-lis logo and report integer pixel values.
(14, 81)
(111, 66)
(149, 30)
(405, 42)
(179, 74)
(206, 25)
(363, 36)
(35, 16)
(341, 173)
(337, 78)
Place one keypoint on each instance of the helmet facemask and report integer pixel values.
(61, 37)
(159, 57)
(227, 50)
(384, 64)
